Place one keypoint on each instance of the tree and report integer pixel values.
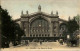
(72, 26)
(0, 30)
(9, 28)
(77, 18)
(5, 25)
(18, 32)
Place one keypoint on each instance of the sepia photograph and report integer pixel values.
(40, 25)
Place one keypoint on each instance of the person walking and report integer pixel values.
(40, 42)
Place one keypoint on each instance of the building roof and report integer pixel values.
(39, 13)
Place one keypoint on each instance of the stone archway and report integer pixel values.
(39, 27)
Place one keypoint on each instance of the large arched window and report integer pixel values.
(39, 26)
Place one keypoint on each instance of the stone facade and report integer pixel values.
(40, 24)
(50, 21)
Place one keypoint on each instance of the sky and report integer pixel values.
(65, 8)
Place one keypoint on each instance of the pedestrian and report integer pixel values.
(26, 42)
(61, 41)
(40, 42)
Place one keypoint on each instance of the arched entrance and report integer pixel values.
(39, 28)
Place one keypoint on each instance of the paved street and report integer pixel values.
(45, 45)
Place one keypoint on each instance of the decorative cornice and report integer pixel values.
(40, 13)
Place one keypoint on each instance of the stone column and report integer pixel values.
(25, 25)
(55, 28)
(22, 25)
(27, 29)
(51, 29)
